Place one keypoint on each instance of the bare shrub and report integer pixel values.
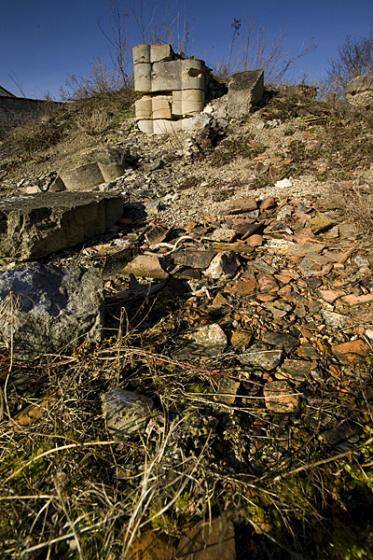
(160, 21)
(355, 58)
(100, 81)
(359, 208)
(37, 135)
(250, 48)
(93, 122)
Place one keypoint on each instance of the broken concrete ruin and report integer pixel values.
(245, 89)
(86, 171)
(174, 87)
(35, 226)
(359, 92)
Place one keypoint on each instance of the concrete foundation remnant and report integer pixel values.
(174, 88)
(245, 89)
(34, 226)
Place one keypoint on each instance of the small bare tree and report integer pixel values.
(355, 58)
(117, 39)
(250, 49)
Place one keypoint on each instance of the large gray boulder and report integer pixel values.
(48, 309)
(35, 226)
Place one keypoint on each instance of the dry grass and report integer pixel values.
(93, 122)
(69, 490)
(359, 207)
(94, 116)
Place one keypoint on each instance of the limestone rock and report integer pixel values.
(280, 397)
(223, 265)
(351, 351)
(335, 320)
(35, 226)
(240, 205)
(282, 340)
(210, 336)
(125, 412)
(146, 266)
(48, 309)
(284, 183)
(194, 259)
(296, 371)
(227, 390)
(262, 357)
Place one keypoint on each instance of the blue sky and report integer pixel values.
(42, 42)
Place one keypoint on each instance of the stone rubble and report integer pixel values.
(249, 323)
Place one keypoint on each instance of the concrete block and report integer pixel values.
(83, 177)
(161, 107)
(193, 74)
(166, 76)
(161, 52)
(142, 77)
(188, 102)
(192, 101)
(141, 53)
(245, 89)
(143, 108)
(163, 126)
(177, 108)
(111, 162)
(111, 171)
(34, 226)
(187, 123)
(146, 126)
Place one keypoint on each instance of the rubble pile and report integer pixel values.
(186, 356)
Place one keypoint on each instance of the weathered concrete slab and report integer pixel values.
(49, 309)
(35, 226)
(245, 89)
(85, 171)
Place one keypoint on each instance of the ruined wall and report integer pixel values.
(174, 87)
(18, 110)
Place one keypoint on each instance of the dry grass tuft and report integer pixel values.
(69, 490)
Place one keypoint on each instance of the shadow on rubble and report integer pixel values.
(144, 304)
(341, 533)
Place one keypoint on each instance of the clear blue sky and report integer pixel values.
(44, 41)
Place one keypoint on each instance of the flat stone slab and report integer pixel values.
(37, 225)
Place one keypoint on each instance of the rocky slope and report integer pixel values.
(225, 410)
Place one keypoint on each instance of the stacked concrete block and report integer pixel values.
(174, 88)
